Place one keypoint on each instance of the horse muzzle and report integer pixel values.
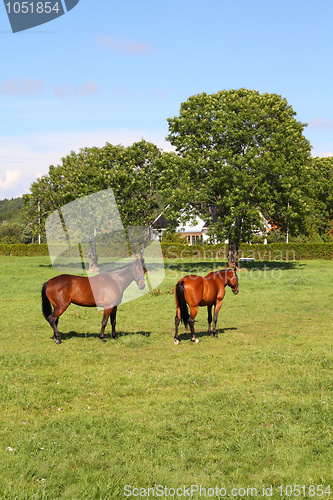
(141, 284)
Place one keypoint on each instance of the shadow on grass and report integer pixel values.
(78, 268)
(187, 335)
(206, 267)
(108, 336)
(261, 265)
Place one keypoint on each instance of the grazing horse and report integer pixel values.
(103, 290)
(197, 291)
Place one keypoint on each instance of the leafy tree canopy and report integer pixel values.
(131, 173)
(10, 234)
(10, 209)
(245, 154)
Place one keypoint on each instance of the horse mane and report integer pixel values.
(117, 269)
(226, 270)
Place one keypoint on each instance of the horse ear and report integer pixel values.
(140, 254)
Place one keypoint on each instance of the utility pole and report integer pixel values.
(38, 222)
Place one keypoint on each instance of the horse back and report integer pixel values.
(66, 289)
(203, 291)
(214, 288)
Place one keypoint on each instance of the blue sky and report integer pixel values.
(115, 71)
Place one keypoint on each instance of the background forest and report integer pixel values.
(237, 155)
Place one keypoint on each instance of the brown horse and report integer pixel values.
(103, 290)
(197, 291)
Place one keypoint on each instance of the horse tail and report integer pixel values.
(181, 302)
(46, 304)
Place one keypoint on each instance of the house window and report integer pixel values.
(196, 238)
(188, 238)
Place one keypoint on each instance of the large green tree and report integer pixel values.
(246, 155)
(132, 173)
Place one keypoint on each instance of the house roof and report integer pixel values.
(161, 223)
(196, 226)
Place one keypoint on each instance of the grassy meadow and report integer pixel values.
(238, 416)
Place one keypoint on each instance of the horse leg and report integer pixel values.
(209, 309)
(113, 322)
(106, 315)
(177, 321)
(194, 311)
(216, 313)
(53, 319)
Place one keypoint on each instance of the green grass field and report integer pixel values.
(249, 410)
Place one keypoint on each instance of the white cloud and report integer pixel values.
(162, 94)
(328, 154)
(123, 45)
(21, 86)
(318, 122)
(89, 88)
(29, 86)
(11, 179)
(32, 155)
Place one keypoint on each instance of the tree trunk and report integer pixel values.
(234, 242)
(233, 254)
(93, 257)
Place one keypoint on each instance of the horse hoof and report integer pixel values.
(196, 341)
(58, 341)
(177, 342)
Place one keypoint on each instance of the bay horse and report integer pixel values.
(103, 290)
(202, 291)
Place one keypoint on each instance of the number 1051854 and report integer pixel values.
(304, 491)
(32, 7)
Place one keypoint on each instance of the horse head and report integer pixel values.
(139, 271)
(233, 282)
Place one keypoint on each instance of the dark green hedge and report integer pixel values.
(22, 250)
(259, 252)
(290, 251)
